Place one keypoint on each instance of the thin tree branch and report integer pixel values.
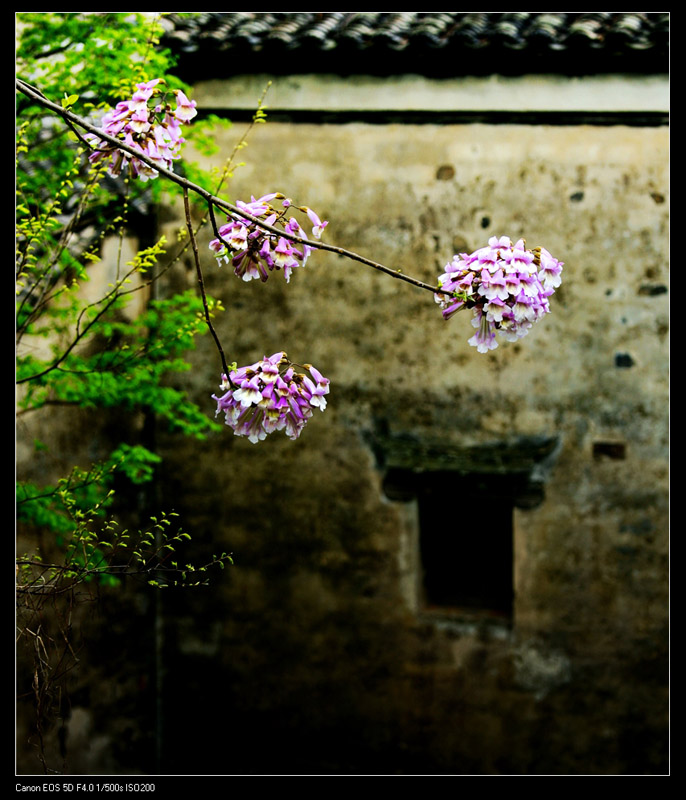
(201, 284)
(184, 183)
(79, 335)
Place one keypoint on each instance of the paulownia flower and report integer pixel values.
(255, 252)
(506, 286)
(270, 395)
(148, 124)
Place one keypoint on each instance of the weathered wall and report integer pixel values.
(317, 652)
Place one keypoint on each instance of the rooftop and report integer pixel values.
(218, 44)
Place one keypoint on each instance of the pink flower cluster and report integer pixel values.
(505, 284)
(255, 252)
(147, 124)
(271, 396)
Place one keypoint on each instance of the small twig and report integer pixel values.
(79, 335)
(201, 284)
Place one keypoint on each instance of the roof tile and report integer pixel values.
(392, 42)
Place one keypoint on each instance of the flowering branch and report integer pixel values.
(210, 198)
(506, 285)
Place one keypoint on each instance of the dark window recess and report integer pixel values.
(465, 535)
(465, 542)
(466, 498)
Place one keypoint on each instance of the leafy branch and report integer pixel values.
(109, 555)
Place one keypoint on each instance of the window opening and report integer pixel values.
(465, 500)
(465, 542)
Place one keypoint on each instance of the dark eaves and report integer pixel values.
(435, 44)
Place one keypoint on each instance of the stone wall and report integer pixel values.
(543, 463)
(461, 565)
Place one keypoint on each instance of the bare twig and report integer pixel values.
(201, 284)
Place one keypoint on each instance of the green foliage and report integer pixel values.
(95, 54)
(120, 362)
(101, 551)
(53, 507)
(92, 335)
(82, 493)
(90, 59)
(85, 340)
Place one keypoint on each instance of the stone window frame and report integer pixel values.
(432, 482)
